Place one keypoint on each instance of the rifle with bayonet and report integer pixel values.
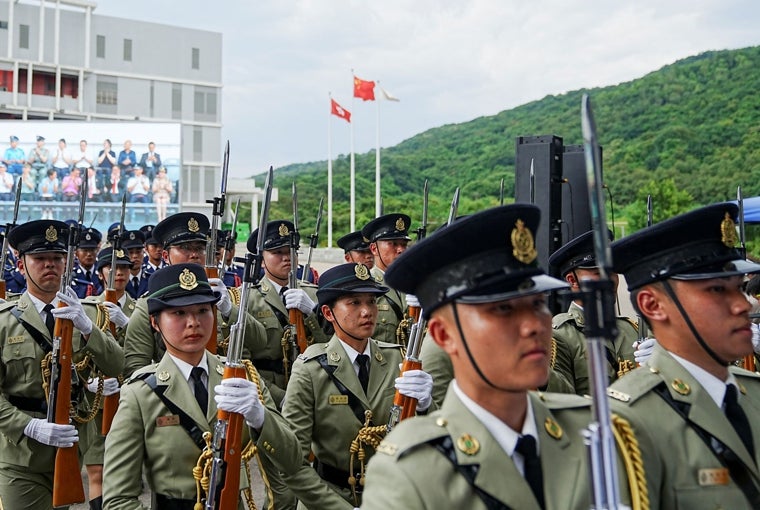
(403, 406)
(643, 330)
(8, 228)
(313, 243)
(414, 311)
(501, 192)
(111, 402)
(229, 241)
(454, 207)
(599, 311)
(67, 480)
(227, 443)
(296, 341)
(212, 266)
(749, 360)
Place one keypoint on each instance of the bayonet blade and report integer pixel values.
(454, 207)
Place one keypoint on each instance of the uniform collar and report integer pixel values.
(712, 385)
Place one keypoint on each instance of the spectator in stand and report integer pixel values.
(106, 159)
(138, 187)
(28, 183)
(127, 159)
(71, 186)
(151, 162)
(49, 189)
(83, 159)
(115, 184)
(14, 157)
(62, 159)
(6, 184)
(95, 188)
(39, 156)
(162, 192)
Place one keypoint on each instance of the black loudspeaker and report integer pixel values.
(576, 214)
(541, 186)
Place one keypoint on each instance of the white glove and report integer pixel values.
(643, 350)
(74, 311)
(297, 298)
(411, 300)
(416, 384)
(110, 386)
(237, 395)
(51, 434)
(116, 314)
(755, 337)
(224, 305)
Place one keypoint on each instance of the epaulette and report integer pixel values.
(560, 319)
(387, 345)
(563, 400)
(142, 373)
(405, 438)
(306, 284)
(635, 385)
(741, 372)
(92, 299)
(313, 351)
(7, 305)
(630, 321)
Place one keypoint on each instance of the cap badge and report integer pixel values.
(131, 236)
(119, 253)
(361, 271)
(365, 239)
(283, 230)
(192, 225)
(88, 237)
(523, 246)
(187, 280)
(468, 444)
(728, 231)
(400, 225)
(51, 234)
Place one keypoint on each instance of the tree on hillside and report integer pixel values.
(667, 201)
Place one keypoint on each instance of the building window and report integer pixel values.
(106, 95)
(100, 46)
(3, 25)
(205, 104)
(197, 143)
(152, 98)
(196, 58)
(176, 101)
(23, 37)
(127, 50)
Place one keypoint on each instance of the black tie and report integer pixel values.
(738, 419)
(136, 282)
(283, 290)
(526, 446)
(49, 319)
(201, 394)
(88, 274)
(363, 361)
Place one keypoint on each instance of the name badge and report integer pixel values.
(716, 476)
(166, 421)
(264, 313)
(384, 308)
(337, 400)
(16, 339)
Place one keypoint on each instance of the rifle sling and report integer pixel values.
(446, 446)
(36, 334)
(192, 429)
(736, 469)
(396, 309)
(608, 353)
(356, 406)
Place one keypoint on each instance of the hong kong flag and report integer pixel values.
(364, 89)
(339, 111)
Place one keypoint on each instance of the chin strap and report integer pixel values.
(467, 347)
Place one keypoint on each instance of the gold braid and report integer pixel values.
(78, 368)
(402, 331)
(553, 353)
(202, 468)
(368, 435)
(287, 334)
(634, 466)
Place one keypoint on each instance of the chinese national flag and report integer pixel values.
(364, 89)
(339, 111)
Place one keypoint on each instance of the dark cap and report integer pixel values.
(91, 238)
(486, 257)
(353, 242)
(576, 254)
(388, 226)
(181, 228)
(40, 236)
(277, 235)
(14, 138)
(132, 239)
(40, 138)
(147, 231)
(104, 258)
(345, 279)
(698, 245)
(179, 285)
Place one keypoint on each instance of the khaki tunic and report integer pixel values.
(407, 472)
(391, 310)
(680, 468)
(143, 345)
(20, 376)
(571, 359)
(142, 435)
(325, 423)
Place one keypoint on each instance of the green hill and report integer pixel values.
(695, 122)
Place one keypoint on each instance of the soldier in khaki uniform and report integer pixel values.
(484, 296)
(29, 442)
(165, 407)
(689, 407)
(184, 237)
(575, 261)
(356, 249)
(270, 302)
(388, 237)
(334, 384)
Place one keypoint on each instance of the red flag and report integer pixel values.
(339, 111)
(364, 89)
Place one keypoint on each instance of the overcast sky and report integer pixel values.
(448, 61)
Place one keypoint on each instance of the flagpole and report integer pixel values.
(329, 175)
(353, 167)
(378, 196)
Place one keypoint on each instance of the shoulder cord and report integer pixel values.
(368, 435)
(634, 466)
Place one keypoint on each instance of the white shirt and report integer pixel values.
(353, 354)
(712, 385)
(186, 368)
(39, 305)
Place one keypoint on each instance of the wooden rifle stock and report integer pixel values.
(749, 362)
(414, 313)
(67, 478)
(296, 319)
(110, 402)
(212, 272)
(2, 289)
(229, 495)
(408, 404)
